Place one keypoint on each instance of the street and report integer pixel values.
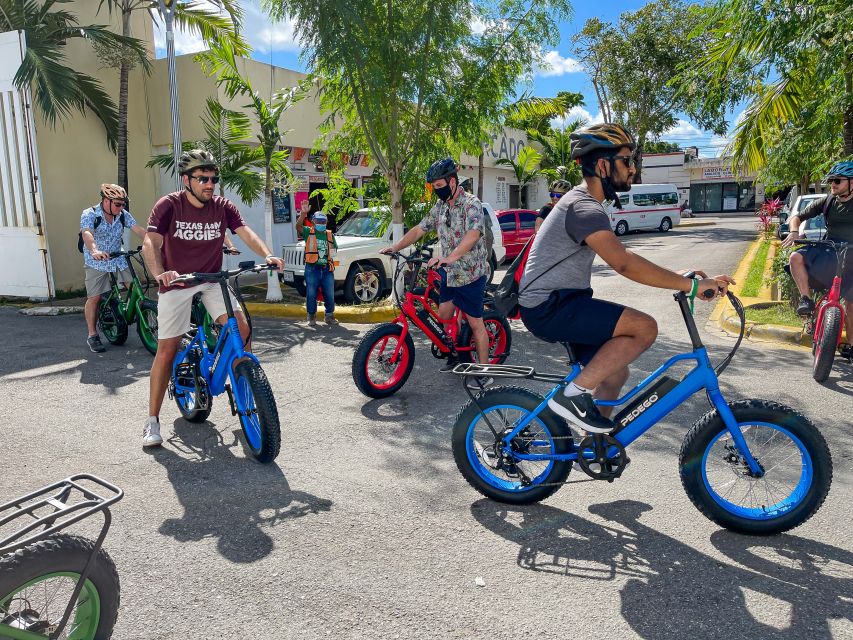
(364, 528)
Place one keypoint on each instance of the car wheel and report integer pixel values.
(621, 228)
(665, 225)
(363, 284)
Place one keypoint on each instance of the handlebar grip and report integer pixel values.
(709, 294)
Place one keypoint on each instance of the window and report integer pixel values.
(527, 220)
(624, 198)
(655, 199)
(507, 222)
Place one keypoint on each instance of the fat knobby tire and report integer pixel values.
(749, 412)
(59, 553)
(147, 337)
(825, 345)
(526, 400)
(115, 333)
(363, 351)
(466, 337)
(266, 408)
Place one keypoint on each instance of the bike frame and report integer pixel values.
(229, 348)
(130, 305)
(832, 298)
(702, 376)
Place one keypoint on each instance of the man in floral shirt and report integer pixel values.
(458, 220)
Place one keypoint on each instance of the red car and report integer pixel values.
(517, 226)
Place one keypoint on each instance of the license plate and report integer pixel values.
(288, 276)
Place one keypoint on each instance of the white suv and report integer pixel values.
(363, 273)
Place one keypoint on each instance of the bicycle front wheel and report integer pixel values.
(374, 370)
(795, 462)
(111, 321)
(825, 343)
(37, 581)
(497, 474)
(146, 325)
(257, 410)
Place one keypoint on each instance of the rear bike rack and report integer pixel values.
(53, 508)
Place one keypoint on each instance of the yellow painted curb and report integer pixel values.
(696, 224)
(356, 315)
(739, 275)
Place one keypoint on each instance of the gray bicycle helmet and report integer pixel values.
(196, 159)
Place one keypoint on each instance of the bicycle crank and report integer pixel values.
(602, 457)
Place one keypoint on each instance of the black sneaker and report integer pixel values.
(581, 411)
(846, 351)
(95, 344)
(452, 361)
(478, 382)
(805, 307)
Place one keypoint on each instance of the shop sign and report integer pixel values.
(280, 205)
(712, 173)
(505, 147)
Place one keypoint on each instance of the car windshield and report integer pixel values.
(365, 224)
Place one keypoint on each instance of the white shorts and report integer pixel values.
(174, 308)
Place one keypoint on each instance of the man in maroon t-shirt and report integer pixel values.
(186, 232)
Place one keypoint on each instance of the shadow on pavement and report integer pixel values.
(226, 497)
(791, 587)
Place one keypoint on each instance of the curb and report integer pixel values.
(351, 315)
(696, 224)
(49, 311)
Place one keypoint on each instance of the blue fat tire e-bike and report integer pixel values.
(199, 373)
(752, 466)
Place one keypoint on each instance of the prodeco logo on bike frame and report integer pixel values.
(639, 409)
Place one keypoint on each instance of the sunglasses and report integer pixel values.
(206, 179)
(557, 195)
(838, 180)
(120, 203)
(628, 160)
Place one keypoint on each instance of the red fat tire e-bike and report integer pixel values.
(385, 356)
(827, 320)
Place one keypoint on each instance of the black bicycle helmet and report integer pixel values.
(607, 136)
(196, 159)
(441, 169)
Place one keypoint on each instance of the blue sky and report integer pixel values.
(275, 43)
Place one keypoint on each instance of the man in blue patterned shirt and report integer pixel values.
(102, 229)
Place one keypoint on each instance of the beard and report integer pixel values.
(621, 185)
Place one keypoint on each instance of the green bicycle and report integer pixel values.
(115, 315)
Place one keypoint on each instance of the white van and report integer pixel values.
(646, 206)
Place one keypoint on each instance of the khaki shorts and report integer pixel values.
(174, 308)
(98, 282)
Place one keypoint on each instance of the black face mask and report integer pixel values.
(443, 193)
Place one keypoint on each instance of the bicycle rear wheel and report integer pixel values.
(189, 389)
(146, 325)
(36, 583)
(111, 321)
(500, 339)
(825, 343)
(795, 461)
(257, 410)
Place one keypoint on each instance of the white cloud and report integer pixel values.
(683, 129)
(577, 113)
(554, 64)
(185, 42)
(479, 26)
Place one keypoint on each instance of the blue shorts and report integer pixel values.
(821, 265)
(574, 316)
(469, 297)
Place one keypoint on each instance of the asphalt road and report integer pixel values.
(365, 529)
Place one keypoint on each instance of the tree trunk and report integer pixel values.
(638, 159)
(395, 185)
(480, 168)
(847, 128)
(273, 285)
(124, 74)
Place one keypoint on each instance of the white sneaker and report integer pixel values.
(151, 433)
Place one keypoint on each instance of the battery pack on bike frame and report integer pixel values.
(632, 411)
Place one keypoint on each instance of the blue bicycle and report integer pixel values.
(200, 373)
(752, 466)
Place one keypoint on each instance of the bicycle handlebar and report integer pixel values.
(118, 254)
(218, 276)
(707, 294)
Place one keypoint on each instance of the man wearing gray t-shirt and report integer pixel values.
(555, 296)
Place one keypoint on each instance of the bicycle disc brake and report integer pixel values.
(602, 457)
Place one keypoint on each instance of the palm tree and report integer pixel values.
(557, 152)
(206, 23)
(525, 166)
(240, 164)
(221, 60)
(58, 90)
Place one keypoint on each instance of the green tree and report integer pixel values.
(57, 89)
(540, 121)
(222, 61)
(632, 66)
(396, 73)
(788, 62)
(241, 164)
(661, 146)
(557, 152)
(207, 24)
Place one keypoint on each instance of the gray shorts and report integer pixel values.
(98, 282)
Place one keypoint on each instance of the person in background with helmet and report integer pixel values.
(320, 246)
(185, 234)
(457, 218)
(102, 230)
(819, 264)
(555, 297)
(558, 188)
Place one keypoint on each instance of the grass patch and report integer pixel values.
(777, 314)
(755, 277)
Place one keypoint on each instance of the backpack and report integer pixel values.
(95, 225)
(505, 298)
(489, 234)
